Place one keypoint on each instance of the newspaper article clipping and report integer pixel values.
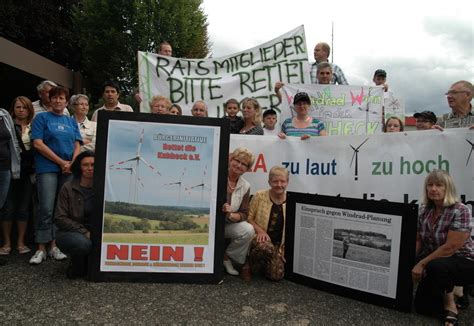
(354, 249)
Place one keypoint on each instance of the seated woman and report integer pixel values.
(74, 214)
(302, 125)
(444, 248)
(267, 216)
(393, 124)
(237, 229)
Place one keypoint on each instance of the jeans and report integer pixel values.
(48, 185)
(18, 202)
(73, 243)
(5, 178)
(78, 247)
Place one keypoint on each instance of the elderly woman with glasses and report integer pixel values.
(79, 105)
(302, 125)
(236, 209)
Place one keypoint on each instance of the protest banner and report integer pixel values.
(353, 247)
(250, 73)
(159, 182)
(394, 105)
(388, 166)
(344, 109)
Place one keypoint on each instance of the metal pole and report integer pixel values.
(332, 42)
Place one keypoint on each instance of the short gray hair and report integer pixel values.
(75, 98)
(45, 83)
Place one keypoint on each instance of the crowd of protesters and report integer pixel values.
(47, 165)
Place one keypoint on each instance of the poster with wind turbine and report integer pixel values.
(150, 167)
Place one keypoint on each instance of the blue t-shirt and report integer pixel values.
(59, 133)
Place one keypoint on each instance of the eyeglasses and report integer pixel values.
(455, 92)
(241, 163)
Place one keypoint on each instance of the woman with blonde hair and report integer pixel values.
(252, 114)
(160, 105)
(235, 209)
(444, 248)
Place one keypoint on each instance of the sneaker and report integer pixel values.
(229, 268)
(38, 257)
(56, 254)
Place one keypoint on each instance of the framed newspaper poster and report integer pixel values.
(363, 249)
(159, 182)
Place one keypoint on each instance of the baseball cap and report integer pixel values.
(301, 97)
(428, 115)
(380, 72)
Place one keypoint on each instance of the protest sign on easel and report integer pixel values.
(158, 190)
(363, 249)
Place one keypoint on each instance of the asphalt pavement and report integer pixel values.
(43, 295)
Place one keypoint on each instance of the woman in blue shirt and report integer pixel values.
(57, 141)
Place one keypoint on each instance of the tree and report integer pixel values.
(44, 27)
(111, 32)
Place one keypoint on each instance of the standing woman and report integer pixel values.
(393, 124)
(444, 248)
(252, 114)
(236, 209)
(9, 159)
(57, 142)
(175, 109)
(18, 201)
(302, 125)
(160, 105)
(79, 105)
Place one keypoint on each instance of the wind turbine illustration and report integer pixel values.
(356, 156)
(137, 159)
(179, 183)
(470, 153)
(202, 185)
(132, 195)
(367, 109)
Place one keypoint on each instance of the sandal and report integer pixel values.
(23, 250)
(450, 318)
(5, 251)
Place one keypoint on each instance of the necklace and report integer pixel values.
(229, 185)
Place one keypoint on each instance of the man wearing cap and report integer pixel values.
(425, 120)
(459, 98)
(321, 54)
(380, 78)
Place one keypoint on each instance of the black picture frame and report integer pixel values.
(408, 213)
(94, 272)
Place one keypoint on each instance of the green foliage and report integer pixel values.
(112, 31)
(111, 226)
(100, 38)
(44, 27)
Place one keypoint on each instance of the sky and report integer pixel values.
(424, 46)
(154, 189)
